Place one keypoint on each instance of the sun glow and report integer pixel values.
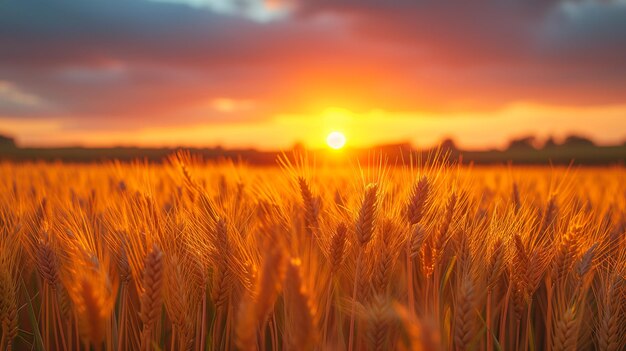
(336, 140)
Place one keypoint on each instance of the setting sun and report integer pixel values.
(336, 140)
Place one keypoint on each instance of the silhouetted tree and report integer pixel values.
(550, 142)
(7, 142)
(577, 140)
(448, 145)
(524, 143)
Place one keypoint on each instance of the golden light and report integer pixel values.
(336, 140)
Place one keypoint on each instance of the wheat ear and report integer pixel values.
(417, 201)
(152, 297)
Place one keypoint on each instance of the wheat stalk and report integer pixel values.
(417, 201)
(152, 296)
(566, 331)
(367, 215)
(465, 321)
(8, 308)
(311, 207)
(302, 327)
(337, 247)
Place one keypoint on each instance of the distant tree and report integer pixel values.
(7, 142)
(448, 145)
(577, 140)
(550, 142)
(524, 143)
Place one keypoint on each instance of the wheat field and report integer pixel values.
(412, 255)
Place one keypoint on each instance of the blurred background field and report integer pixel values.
(522, 151)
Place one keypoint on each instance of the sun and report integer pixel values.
(336, 140)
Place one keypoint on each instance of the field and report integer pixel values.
(188, 255)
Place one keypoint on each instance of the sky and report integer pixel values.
(270, 73)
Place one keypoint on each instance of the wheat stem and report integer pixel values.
(411, 292)
(354, 291)
(488, 320)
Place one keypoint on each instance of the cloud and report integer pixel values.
(15, 101)
(117, 59)
(122, 64)
(10, 94)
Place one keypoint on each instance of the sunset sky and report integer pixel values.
(267, 74)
